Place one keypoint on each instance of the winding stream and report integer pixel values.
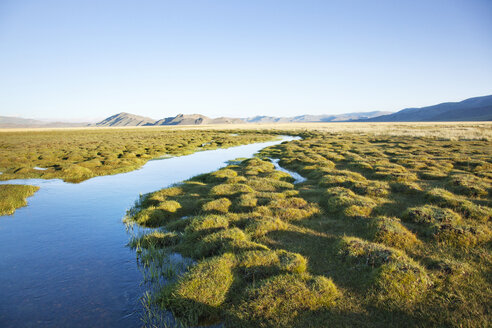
(64, 260)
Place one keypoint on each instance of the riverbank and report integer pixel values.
(75, 155)
(14, 196)
(65, 262)
(386, 231)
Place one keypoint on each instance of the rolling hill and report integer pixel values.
(315, 118)
(9, 122)
(195, 119)
(125, 119)
(471, 109)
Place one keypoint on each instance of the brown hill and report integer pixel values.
(125, 119)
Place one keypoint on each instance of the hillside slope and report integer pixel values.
(471, 109)
(9, 122)
(125, 119)
(315, 118)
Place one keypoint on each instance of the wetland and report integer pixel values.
(329, 227)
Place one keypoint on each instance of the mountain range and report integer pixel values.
(127, 119)
(314, 118)
(472, 109)
(18, 122)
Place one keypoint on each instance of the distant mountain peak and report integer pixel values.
(125, 119)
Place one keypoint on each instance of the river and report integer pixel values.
(64, 260)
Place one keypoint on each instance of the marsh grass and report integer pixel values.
(386, 231)
(79, 154)
(14, 196)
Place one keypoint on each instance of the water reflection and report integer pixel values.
(64, 262)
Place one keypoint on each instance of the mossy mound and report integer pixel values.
(432, 215)
(469, 209)
(77, 173)
(432, 174)
(247, 200)
(280, 176)
(230, 189)
(406, 187)
(258, 227)
(391, 232)
(278, 301)
(198, 295)
(255, 166)
(447, 226)
(462, 235)
(293, 208)
(155, 216)
(394, 279)
(229, 240)
(268, 184)
(202, 225)
(356, 182)
(224, 174)
(393, 172)
(261, 264)
(14, 196)
(340, 178)
(220, 205)
(340, 199)
(371, 188)
(469, 185)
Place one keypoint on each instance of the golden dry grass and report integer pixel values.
(447, 130)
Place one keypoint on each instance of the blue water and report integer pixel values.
(63, 258)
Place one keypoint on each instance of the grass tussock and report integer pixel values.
(468, 208)
(14, 196)
(394, 279)
(385, 231)
(199, 293)
(278, 301)
(390, 232)
(351, 204)
(220, 205)
(80, 154)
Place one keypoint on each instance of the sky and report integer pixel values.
(89, 59)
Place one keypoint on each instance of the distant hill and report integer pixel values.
(315, 118)
(472, 109)
(195, 119)
(18, 122)
(125, 119)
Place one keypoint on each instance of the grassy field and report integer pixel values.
(388, 230)
(75, 155)
(14, 196)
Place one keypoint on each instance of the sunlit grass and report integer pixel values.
(14, 196)
(386, 231)
(79, 154)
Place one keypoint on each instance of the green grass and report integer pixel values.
(14, 196)
(386, 231)
(78, 155)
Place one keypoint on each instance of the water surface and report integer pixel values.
(63, 259)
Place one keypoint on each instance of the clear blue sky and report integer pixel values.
(90, 59)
